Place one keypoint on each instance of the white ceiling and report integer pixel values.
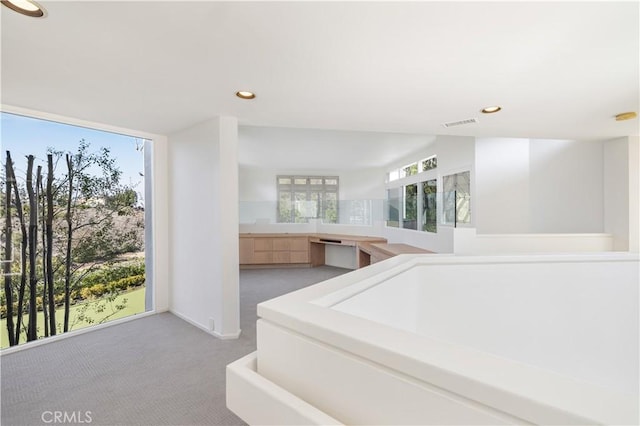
(559, 70)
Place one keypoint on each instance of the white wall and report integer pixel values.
(258, 191)
(634, 194)
(257, 194)
(566, 186)
(502, 185)
(362, 184)
(466, 241)
(622, 192)
(204, 222)
(616, 191)
(455, 153)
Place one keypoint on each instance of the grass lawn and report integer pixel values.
(134, 305)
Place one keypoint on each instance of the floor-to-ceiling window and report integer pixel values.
(72, 228)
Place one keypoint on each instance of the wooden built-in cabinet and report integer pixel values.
(246, 251)
(273, 249)
(262, 250)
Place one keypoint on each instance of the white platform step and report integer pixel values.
(259, 401)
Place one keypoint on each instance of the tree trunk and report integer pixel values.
(49, 244)
(44, 258)
(33, 240)
(8, 250)
(23, 253)
(67, 271)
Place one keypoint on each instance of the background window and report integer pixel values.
(429, 163)
(457, 198)
(429, 206)
(301, 198)
(410, 210)
(393, 207)
(409, 170)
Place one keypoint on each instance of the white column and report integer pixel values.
(621, 215)
(203, 175)
(157, 222)
(228, 228)
(634, 194)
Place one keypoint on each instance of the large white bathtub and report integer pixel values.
(424, 339)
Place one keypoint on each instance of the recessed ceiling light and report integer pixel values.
(245, 95)
(491, 109)
(25, 7)
(626, 116)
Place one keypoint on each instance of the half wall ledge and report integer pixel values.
(443, 339)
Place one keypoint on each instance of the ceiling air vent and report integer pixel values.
(460, 122)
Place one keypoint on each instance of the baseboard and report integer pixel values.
(226, 336)
(72, 333)
(277, 266)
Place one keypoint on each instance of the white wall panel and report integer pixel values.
(502, 185)
(566, 186)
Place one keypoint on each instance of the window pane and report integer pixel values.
(360, 212)
(409, 170)
(457, 198)
(301, 207)
(410, 217)
(284, 207)
(107, 209)
(330, 207)
(316, 198)
(429, 206)
(306, 197)
(429, 163)
(463, 200)
(393, 207)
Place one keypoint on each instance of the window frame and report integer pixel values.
(156, 219)
(446, 196)
(398, 180)
(309, 189)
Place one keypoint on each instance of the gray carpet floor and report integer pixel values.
(157, 370)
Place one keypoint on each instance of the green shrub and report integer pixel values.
(128, 282)
(112, 278)
(113, 273)
(58, 299)
(85, 293)
(97, 290)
